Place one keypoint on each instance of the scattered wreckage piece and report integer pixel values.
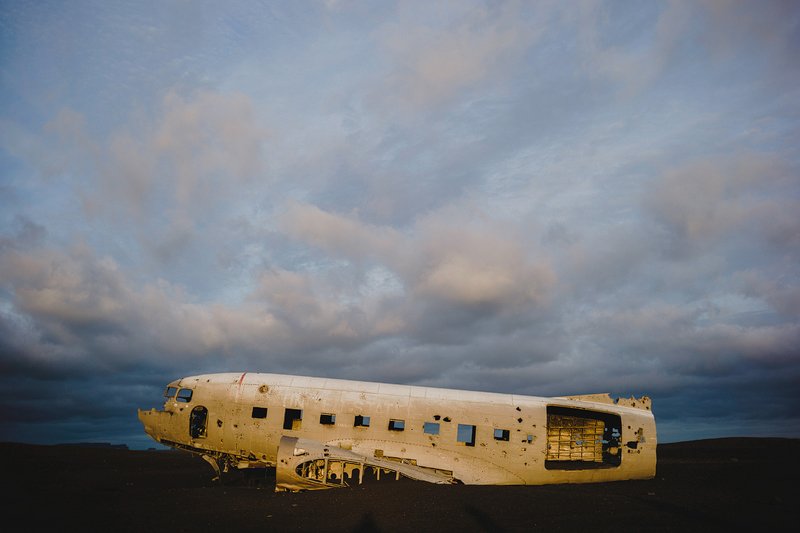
(325, 433)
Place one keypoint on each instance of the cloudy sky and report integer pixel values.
(540, 198)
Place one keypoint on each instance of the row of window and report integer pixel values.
(466, 432)
(292, 419)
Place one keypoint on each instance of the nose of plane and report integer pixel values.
(147, 419)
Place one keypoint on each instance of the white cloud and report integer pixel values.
(445, 258)
(342, 235)
(168, 170)
(433, 58)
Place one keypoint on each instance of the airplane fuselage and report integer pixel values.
(474, 437)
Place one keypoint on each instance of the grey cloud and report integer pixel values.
(595, 266)
(558, 234)
(780, 294)
(684, 341)
(683, 32)
(705, 201)
(771, 28)
(85, 309)
(26, 233)
(633, 68)
(316, 313)
(67, 292)
(75, 309)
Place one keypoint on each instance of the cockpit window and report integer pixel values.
(184, 395)
(170, 392)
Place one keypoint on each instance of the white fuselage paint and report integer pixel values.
(232, 433)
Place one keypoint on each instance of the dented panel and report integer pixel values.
(351, 429)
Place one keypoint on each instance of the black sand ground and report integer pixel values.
(712, 485)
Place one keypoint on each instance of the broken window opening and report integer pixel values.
(331, 471)
(466, 434)
(170, 392)
(292, 419)
(502, 434)
(259, 412)
(327, 419)
(431, 428)
(313, 470)
(397, 425)
(335, 472)
(580, 439)
(197, 422)
(184, 395)
(361, 421)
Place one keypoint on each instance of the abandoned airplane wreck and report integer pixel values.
(323, 433)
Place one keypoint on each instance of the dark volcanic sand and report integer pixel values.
(738, 484)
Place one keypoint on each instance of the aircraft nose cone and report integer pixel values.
(146, 418)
